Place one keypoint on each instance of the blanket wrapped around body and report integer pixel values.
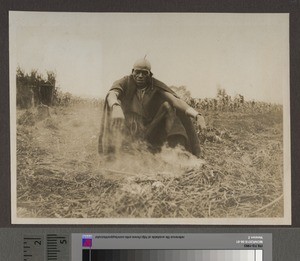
(108, 139)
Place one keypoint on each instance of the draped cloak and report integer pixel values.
(127, 89)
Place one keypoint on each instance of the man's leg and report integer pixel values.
(165, 112)
(166, 126)
(176, 140)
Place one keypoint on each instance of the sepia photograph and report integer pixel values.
(150, 118)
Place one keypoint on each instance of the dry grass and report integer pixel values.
(60, 174)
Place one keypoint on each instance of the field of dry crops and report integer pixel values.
(61, 175)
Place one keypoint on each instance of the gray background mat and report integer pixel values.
(285, 239)
(242, 6)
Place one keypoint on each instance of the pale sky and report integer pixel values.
(243, 53)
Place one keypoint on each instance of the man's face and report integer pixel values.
(141, 77)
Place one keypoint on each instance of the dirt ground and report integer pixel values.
(60, 174)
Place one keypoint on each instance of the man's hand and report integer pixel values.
(117, 117)
(201, 122)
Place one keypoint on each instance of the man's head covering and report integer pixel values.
(142, 64)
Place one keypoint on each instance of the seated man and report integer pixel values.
(144, 108)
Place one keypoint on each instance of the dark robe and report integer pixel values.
(127, 88)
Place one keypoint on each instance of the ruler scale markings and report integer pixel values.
(57, 247)
(33, 247)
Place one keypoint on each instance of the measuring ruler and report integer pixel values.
(60, 245)
(49, 247)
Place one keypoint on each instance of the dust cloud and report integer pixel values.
(68, 141)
